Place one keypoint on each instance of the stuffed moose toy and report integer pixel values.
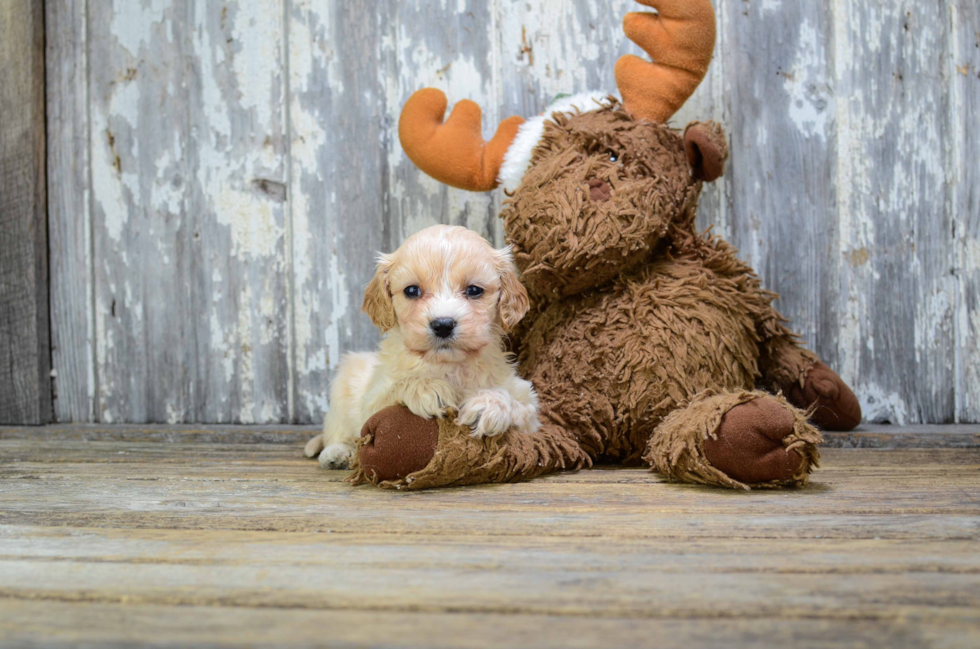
(648, 343)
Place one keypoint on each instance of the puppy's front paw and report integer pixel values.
(336, 456)
(488, 413)
(429, 400)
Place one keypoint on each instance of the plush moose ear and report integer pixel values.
(513, 302)
(707, 150)
(377, 297)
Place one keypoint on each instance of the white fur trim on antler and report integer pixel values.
(518, 156)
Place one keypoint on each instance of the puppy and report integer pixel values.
(444, 300)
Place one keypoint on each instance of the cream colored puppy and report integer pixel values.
(443, 300)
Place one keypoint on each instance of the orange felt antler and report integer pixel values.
(455, 152)
(680, 39)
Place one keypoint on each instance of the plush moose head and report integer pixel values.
(593, 183)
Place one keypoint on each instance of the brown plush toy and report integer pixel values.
(647, 342)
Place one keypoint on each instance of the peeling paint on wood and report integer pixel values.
(893, 133)
(338, 178)
(780, 190)
(236, 167)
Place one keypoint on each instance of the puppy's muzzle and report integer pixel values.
(443, 327)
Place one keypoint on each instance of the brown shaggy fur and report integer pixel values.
(643, 333)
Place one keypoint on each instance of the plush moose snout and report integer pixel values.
(599, 190)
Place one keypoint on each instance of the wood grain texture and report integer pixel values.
(69, 217)
(924, 494)
(782, 141)
(255, 171)
(114, 536)
(25, 357)
(60, 624)
(866, 436)
(897, 292)
(338, 209)
(965, 172)
(188, 166)
(236, 209)
(141, 284)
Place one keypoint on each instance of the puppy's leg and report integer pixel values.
(341, 427)
(314, 446)
(426, 397)
(493, 411)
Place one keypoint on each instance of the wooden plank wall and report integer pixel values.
(25, 358)
(223, 173)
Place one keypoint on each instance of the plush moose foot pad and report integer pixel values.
(737, 439)
(394, 443)
(834, 405)
(748, 443)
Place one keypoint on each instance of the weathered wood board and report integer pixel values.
(897, 289)
(69, 214)
(213, 251)
(63, 624)
(875, 436)
(25, 358)
(781, 191)
(184, 544)
(965, 141)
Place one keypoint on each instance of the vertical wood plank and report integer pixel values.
(138, 134)
(237, 197)
(69, 220)
(188, 211)
(141, 268)
(25, 359)
(897, 294)
(965, 137)
(783, 213)
(339, 138)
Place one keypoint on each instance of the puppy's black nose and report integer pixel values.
(443, 327)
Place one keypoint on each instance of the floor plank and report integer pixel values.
(881, 436)
(116, 543)
(100, 626)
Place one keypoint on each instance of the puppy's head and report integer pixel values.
(448, 292)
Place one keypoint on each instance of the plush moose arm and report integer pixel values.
(398, 450)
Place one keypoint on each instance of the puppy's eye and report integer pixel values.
(473, 291)
(412, 292)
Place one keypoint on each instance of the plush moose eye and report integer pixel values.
(613, 156)
(412, 292)
(473, 291)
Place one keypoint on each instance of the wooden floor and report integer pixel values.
(195, 538)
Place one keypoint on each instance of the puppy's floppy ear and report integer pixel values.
(512, 303)
(377, 297)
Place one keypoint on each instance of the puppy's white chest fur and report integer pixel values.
(427, 386)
